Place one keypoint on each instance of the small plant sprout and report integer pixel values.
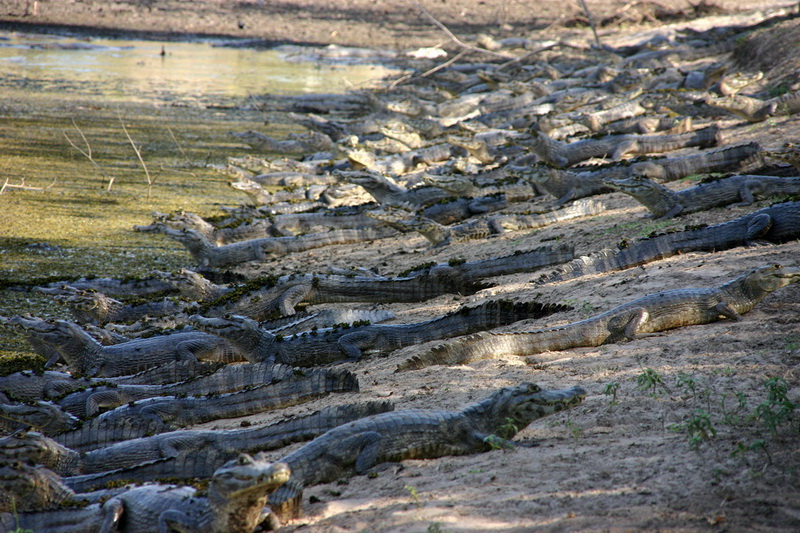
(611, 389)
(650, 380)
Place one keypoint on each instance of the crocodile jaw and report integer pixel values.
(773, 277)
(245, 475)
(545, 403)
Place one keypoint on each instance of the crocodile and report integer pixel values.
(659, 311)
(566, 185)
(335, 344)
(208, 255)
(235, 502)
(356, 447)
(297, 144)
(734, 191)
(788, 153)
(755, 110)
(481, 228)
(196, 456)
(597, 119)
(116, 287)
(388, 192)
(615, 146)
(183, 454)
(775, 224)
(728, 159)
(85, 356)
(91, 307)
(167, 413)
(261, 300)
(26, 487)
(89, 401)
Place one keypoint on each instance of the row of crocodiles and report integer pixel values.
(408, 161)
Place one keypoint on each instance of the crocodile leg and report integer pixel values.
(757, 227)
(292, 297)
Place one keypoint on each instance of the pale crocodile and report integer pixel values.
(738, 190)
(356, 447)
(335, 344)
(755, 110)
(655, 312)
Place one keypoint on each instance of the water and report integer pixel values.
(187, 73)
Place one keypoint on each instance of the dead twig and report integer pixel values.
(139, 155)
(591, 22)
(88, 154)
(455, 39)
(20, 185)
(427, 73)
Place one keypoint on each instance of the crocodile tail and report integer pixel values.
(458, 352)
(336, 379)
(604, 260)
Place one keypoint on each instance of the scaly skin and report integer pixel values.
(356, 447)
(331, 345)
(615, 146)
(158, 415)
(755, 110)
(181, 454)
(655, 312)
(195, 454)
(776, 224)
(85, 356)
(235, 504)
(734, 191)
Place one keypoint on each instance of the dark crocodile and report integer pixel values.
(615, 146)
(775, 224)
(566, 185)
(739, 190)
(734, 158)
(167, 413)
(182, 454)
(387, 192)
(92, 399)
(92, 307)
(195, 455)
(85, 356)
(234, 503)
(262, 300)
(655, 312)
(28, 487)
(356, 447)
(335, 344)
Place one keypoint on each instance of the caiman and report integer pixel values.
(262, 300)
(755, 110)
(87, 357)
(775, 224)
(208, 255)
(484, 227)
(166, 413)
(182, 454)
(335, 344)
(356, 447)
(655, 312)
(738, 190)
(615, 146)
(234, 503)
(196, 454)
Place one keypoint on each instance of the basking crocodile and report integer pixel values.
(92, 307)
(166, 413)
(334, 344)
(728, 159)
(387, 192)
(91, 399)
(482, 228)
(182, 454)
(297, 144)
(235, 503)
(210, 256)
(566, 185)
(356, 447)
(25, 487)
(117, 287)
(87, 357)
(776, 224)
(655, 312)
(615, 146)
(738, 190)
(262, 299)
(755, 110)
(196, 456)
